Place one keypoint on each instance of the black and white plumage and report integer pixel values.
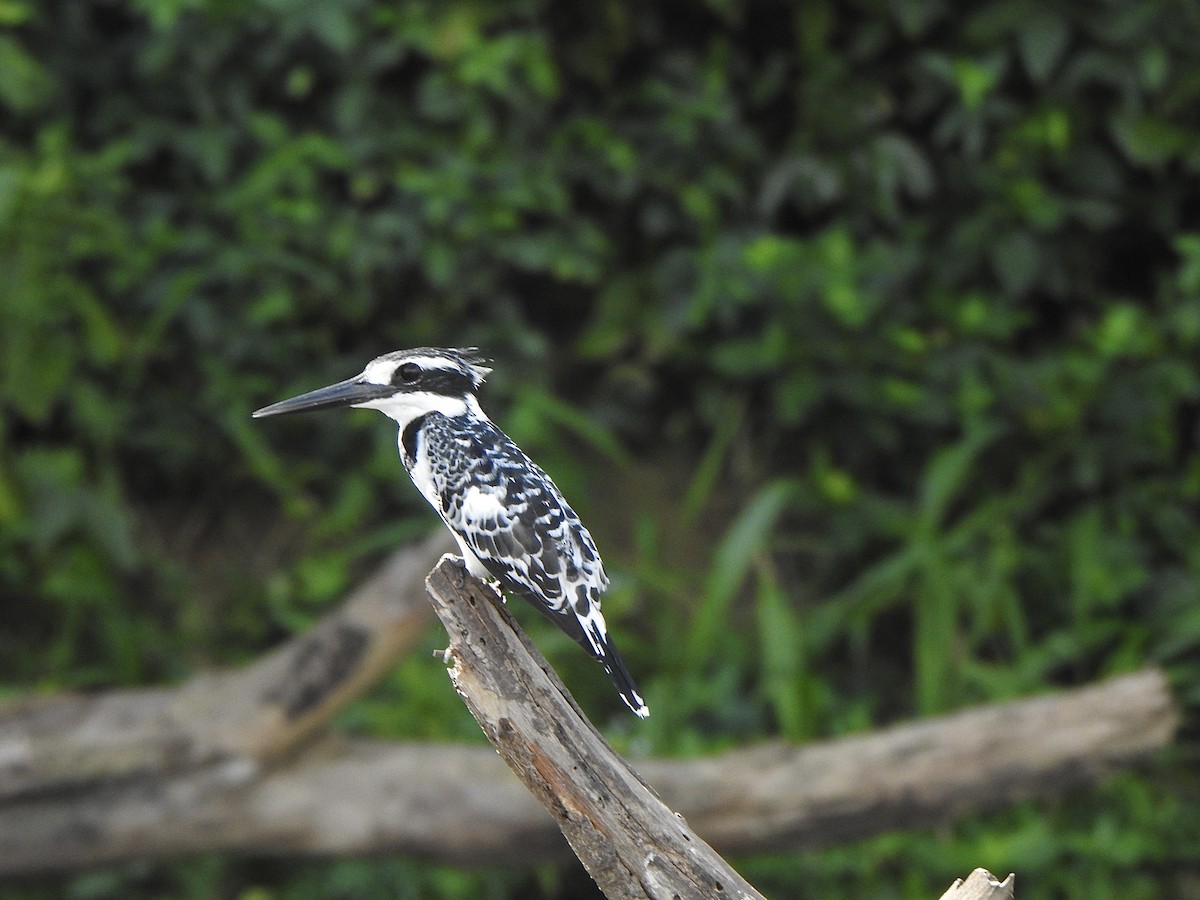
(509, 518)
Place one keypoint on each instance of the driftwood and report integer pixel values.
(239, 762)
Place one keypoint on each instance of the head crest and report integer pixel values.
(477, 363)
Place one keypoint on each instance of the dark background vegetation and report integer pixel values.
(863, 334)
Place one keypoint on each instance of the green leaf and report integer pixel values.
(782, 658)
(976, 79)
(946, 475)
(1042, 41)
(24, 84)
(747, 536)
(700, 491)
(1016, 261)
(579, 424)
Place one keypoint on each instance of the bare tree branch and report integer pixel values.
(981, 885)
(630, 842)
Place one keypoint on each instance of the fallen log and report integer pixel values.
(244, 766)
(252, 716)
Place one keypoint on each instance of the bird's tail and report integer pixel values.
(597, 643)
(623, 681)
(589, 631)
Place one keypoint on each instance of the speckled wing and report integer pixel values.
(513, 516)
(517, 523)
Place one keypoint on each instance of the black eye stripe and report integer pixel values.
(448, 382)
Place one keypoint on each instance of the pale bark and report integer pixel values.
(981, 885)
(631, 843)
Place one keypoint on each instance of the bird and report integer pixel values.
(513, 526)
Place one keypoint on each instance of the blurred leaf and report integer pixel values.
(782, 659)
(1188, 247)
(746, 537)
(1121, 331)
(1150, 141)
(977, 78)
(581, 426)
(24, 85)
(1042, 41)
(946, 475)
(1016, 262)
(701, 489)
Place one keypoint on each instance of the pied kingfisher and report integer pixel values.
(510, 520)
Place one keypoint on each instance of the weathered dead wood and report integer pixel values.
(90, 781)
(981, 885)
(630, 842)
(461, 805)
(246, 717)
(924, 773)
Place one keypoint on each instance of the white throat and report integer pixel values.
(406, 406)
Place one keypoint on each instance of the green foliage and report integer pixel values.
(863, 335)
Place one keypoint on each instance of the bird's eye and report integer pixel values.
(407, 374)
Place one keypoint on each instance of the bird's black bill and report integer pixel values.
(344, 393)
